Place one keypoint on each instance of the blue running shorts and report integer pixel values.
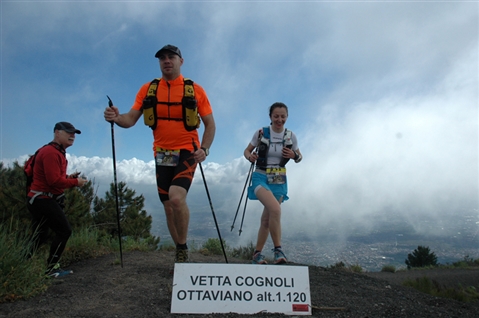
(259, 180)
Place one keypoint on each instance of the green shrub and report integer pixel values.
(466, 262)
(86, 243)
(389, 268)
(23, 277)
(213, 247)
(338, 265)
(427, 286)
(243, 252)
(422, 284)
(20, 276)
(138, 244)
(421, 257)
(167, 246)
(356, 268)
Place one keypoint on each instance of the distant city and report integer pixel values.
(388, 243)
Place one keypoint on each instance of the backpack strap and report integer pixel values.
(29, 166)
(153, 87)
(189, 88)
(263, 146)
(288, 143)
(190, 116)
(149, 104)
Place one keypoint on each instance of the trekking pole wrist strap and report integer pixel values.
(206, 150)
(297, 157)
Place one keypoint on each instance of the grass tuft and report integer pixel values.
(389, 268)
(432, 287)
(243, 252)
(355, 268)
(213, 247)
(21, 276)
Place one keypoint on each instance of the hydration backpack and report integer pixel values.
(263, 146)
(30, 163)
(190, 118)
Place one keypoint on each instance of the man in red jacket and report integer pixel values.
(46, 195)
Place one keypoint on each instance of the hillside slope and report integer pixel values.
(142, 288)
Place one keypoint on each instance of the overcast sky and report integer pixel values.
(383, 97)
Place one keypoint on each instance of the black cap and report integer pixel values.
(170, 48)
(69, 128)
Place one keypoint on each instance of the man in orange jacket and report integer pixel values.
(173, 145)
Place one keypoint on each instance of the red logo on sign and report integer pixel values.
(300, 307)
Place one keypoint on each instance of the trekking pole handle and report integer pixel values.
(110, 104)
(195, 147)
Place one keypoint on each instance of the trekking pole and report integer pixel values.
(211, 205)
(241, 198)
(110, 104)
(246, 201)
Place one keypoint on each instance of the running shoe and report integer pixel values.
(56, 271)
(60, 273)
(181, 256)
(279, 257)
(258, 258)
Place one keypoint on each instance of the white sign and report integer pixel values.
(240, 288)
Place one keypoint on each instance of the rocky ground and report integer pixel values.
(100, 287)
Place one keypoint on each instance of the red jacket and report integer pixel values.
(50, 171)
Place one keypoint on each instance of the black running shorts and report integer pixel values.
(181, 175)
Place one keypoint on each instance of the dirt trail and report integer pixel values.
(142, 288)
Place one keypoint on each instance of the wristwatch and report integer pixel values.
(206, 150)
